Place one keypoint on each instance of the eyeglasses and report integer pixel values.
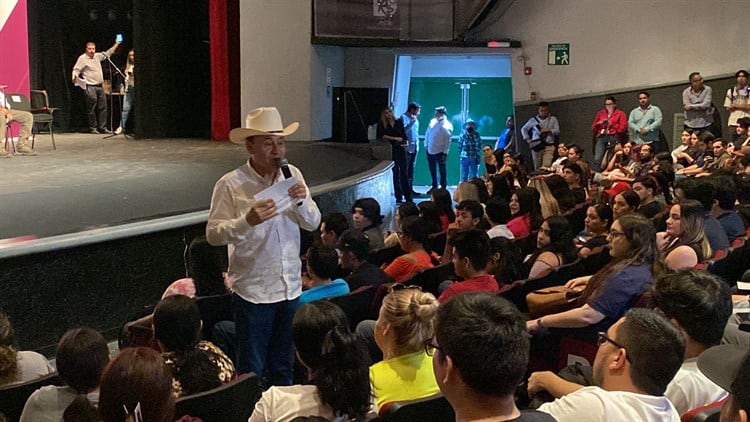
(614, 234)
(430, 347)
(400, 286)
(603, 338)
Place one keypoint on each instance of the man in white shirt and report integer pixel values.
(88, 74)
(25, 119)
(699, 305)
(637, 357)
(541, 132)
(737, 103)
(264, 246)
(437, 140)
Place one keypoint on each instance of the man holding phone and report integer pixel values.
(88, 75)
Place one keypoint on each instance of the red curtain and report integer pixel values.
(225, 67)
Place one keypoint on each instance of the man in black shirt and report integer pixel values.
(354, 247)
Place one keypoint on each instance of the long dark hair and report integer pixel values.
(643, 250)
(430, 213)
(509, 265)
(442, 198)
(336, 358)
(561, 240)
(528, 203)
(502, 187)
(205, 267)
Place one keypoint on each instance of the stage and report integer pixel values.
(94, 231)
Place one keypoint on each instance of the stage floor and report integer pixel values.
(89, 182)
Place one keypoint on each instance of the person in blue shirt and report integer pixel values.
(507, 138)
(321, 266)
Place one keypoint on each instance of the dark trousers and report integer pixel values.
(401, 185)
(264, 339)
(96, 107)
(411, 158)
(436, 162)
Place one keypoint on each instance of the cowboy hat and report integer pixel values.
(262, 121)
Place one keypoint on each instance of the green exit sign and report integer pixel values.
(558, 54)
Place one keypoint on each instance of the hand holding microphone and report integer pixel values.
(298, 191)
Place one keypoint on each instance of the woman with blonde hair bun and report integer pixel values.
(405, 323)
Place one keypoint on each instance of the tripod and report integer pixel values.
(111, 98)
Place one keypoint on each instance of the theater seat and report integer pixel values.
(707, 413)
(431, 409)
(430, 278)
(231, 402)
(385, 256)
(357, 304)
(13, 397)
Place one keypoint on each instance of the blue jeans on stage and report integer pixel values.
(435, 162)
(469, 167)
(264, 339)
(127, 105)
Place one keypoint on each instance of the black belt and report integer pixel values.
(97, 85)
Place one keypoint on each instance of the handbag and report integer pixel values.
(552, 300)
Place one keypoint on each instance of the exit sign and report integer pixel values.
(558, 54)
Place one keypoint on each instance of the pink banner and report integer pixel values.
(14, 44)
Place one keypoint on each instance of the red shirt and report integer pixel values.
(618, 123)
(482, 283)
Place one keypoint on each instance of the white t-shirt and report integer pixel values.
(48, 404)
(595, 404)
(690, 389)
(31, 365)
(501, 230)
(281, 404)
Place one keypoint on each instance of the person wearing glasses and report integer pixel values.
(697, 101)
(609, 293)
(610, 126)
(637, 358)
(478, 369)
(404, 324)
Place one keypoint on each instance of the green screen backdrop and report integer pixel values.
(490, 101)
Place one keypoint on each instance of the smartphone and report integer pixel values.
(118, 38)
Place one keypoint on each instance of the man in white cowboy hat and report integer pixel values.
(264, 244)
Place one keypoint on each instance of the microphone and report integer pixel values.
(284, 165)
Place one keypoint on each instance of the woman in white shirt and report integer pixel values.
(338, 372)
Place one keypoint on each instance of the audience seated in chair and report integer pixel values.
(408, 209)
(647, 188)
(554, 247)
(354, 246)
(598, 221)
(505, 261)
(470, 251)
(331, 227)
(336, 361)
(704, 192)
(404, 323)
(206, 272)
(724, 210)
(637, 358)
(412, 239)
(196, 365)
(18, 366)
(525, 211)
(321, 266)
(625, 202)
(469, 214)
(366, 217)
(135, 386)
(699, 305)
(684, 244)
(498, 214)
(81, 357)
(480, 353)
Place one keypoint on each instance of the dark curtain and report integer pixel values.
(173, 75)
(225, 67)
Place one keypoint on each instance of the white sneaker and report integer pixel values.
(4, 153)
(118, 130)
(23, 148)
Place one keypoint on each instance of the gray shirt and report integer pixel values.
(701, 113)
(90, 68)
(48, 404)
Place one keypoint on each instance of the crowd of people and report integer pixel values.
(655, 318)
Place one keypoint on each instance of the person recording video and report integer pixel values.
(88, 75)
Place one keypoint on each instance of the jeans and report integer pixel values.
(435, 162)
(469, 167)
(411, 158)
(127, 105)
(600, 149)
(96, 107)
(264, 339)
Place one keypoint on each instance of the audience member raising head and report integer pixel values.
(637, 358)
(609, 293)
(196, 365)
(624, 203)
(555, 247)
(336, 361)
(18, 366)
(480, 356)
(699, 305)
(412, 239)
(405, 323)
(331, 227)
(366, 217)
(136, 386)
(81, 357)
(685, 243)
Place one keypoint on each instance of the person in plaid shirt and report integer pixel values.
(469, 147)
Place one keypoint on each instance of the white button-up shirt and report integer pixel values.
(437, 139)
(264, 263)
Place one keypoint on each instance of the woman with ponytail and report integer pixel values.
(336, 361)
(404, 324)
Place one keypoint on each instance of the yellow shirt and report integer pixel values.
(406, 377)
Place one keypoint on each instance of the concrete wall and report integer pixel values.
(621, 45)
